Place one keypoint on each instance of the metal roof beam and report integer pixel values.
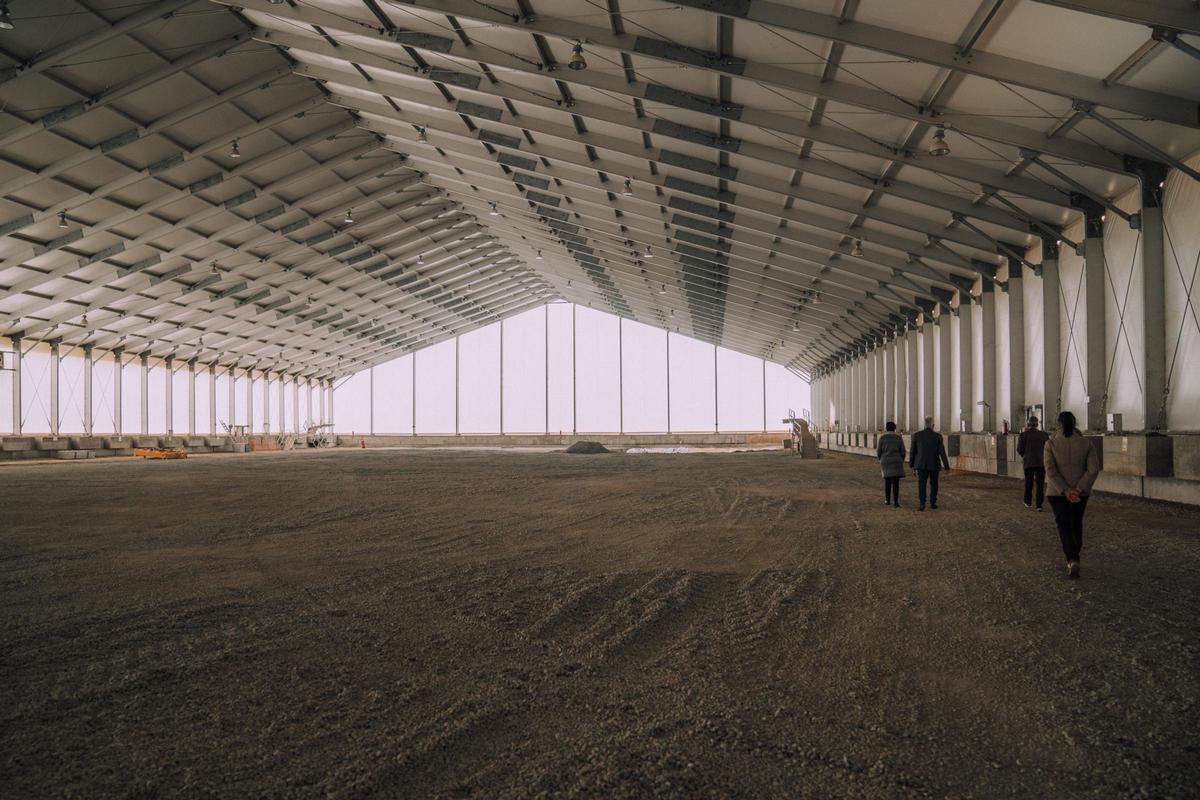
(1180, 16)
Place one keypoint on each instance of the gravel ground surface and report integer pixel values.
(388, 623)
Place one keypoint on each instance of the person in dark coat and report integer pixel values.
(1072, 467)
(928, 458)
(890, 451)
(1031, 445)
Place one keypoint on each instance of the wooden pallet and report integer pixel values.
(159, 453)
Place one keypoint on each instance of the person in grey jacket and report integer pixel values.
(928, 458)
(1072, 466)
(890, 452)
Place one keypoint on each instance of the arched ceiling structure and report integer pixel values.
(319, 185)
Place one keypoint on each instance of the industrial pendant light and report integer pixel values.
(663, 290)
(577, 61)
(62, 220)
(649, 252)
(539, 256)
(6, 22)
(420, 258)
(495, 212)
(421, 137)
(349, 220)
(857, 251)
(938, 146)
(235, 151)
(628, 190)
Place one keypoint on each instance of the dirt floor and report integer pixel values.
(399, 623)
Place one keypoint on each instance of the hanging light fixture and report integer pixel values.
(6, 22)
(420, 258)
(421, 137)
(795, 326)
(628, 190)
(938, 146)
(649, 252)
(495, 212)
(857, 251)
(215, 271)
(540, 257)
(234, 150)
(349, 220)
(663, 289)
(62, 220)
(577, 61)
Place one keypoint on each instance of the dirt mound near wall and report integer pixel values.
(587, 448)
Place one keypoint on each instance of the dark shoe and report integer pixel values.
(933, 506)
(920, 508)
(1029, 505)
(1040, 509)
(1074, 571)
(895, 505)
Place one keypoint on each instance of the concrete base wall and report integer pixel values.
(24, 448)
(556, 440)
(1153, 466)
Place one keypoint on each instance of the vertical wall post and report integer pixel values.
(232, 395)
(16, 386)
(169, 396)
(928, 373)
(55, 370)
(1016, 344)
(889, 383)
(913, 396)
(502, 377)
(332, 416)
(118, 369)
(621, 374)
(574, 375)
(987, 301)
(1051, 343)
(212, 398)
(902, 382)
(296, 402)
(308, 417)
(764, 393)
(546, 364)
(880, 382)
(1094, 309)
(370, 405)
(145, 394)
(868, 421)
(266, 380)
(192, 397)
(87, 390)
(283, 403)
(414, 392)
(456, 370)
(716, 396)
(966, 358)
(945, 416)
(250, 401)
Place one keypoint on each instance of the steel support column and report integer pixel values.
(944, 374)
(1154, 301)
(192, 397)
(250, 401)
(1051, 336)
(1094, 311)
(169, 396)
(913, 382)
(282, 402)
(118, 369)
(266, 401)
(55, 369)
(966, 361)
(928, 373)
(988, 323)
(87, 390)
(232, 375)
(16, 386)
(889, 383)
(1016, 345)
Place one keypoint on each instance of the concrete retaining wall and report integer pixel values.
(1153, 466)
(21, 448)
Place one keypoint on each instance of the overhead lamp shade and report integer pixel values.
(939, 147)
(577, 61)
(6, 22)
(857, 251)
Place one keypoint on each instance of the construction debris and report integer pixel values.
(587, 448)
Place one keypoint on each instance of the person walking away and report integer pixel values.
(890, 452)
(928, 458)
(1031, 446)
(1071, 468)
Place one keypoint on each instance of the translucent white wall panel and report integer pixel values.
(957, 401)
(222, 400)
(1124, 334)
(103, 372)
(692, 401)
(645, 378)
(1181, 240)
(1001, 404)
(276, 392)
(785, 392)
(181, 387)
(739, 391)
(525, 372)
(1073, 329)
(158, 398)
(131, 388)
(561, 386)
(202, 416)
(35, 390)
(289, 406)
(597, 375)
(393, 397)
(479, 380)
(240, 388)
(977, 356)
(6, 387)
(352, 399)
(70, 392)
(435, 389)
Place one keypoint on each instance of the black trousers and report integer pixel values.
(1069, 518)
(891, 490)
(930, 477)
(1035, 475)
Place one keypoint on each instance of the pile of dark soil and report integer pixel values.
(588, 448)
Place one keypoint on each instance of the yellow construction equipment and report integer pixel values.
(159, 452)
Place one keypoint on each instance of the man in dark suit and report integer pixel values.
(1031, 445)
(928, 457)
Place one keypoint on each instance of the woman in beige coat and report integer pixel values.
(1071, 468)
